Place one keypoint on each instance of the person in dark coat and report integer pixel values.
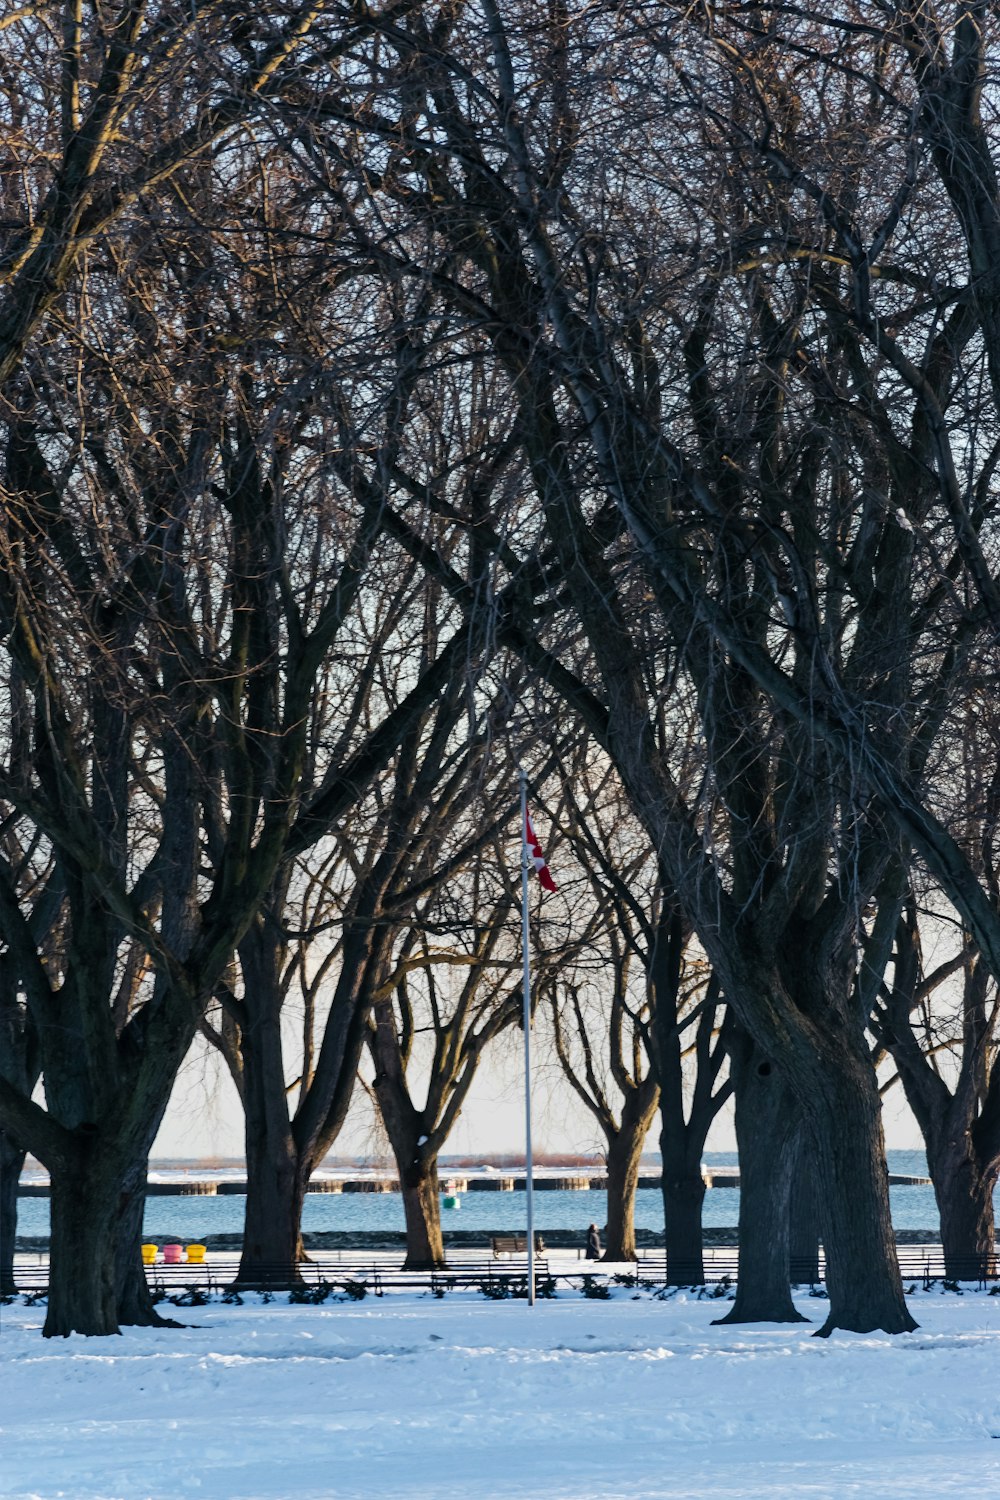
(593, 1243)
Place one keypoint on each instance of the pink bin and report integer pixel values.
(171, 1255)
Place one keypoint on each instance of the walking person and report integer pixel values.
(593, 1243)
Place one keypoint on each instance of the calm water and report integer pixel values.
(191, 1218)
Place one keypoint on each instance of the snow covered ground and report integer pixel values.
(409, 1396)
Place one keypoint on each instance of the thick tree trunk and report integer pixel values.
(803, 1217)
(96, 1204)
(828, 1069)
(11, 1162)
(768, 1126)
(272, 1230)
(683, 1200)
(862, 1272)
(964, 1193)
(624, 1151)
(422, 1210)
(683, 1188)
(623, 1158)
(82, 1292)
(136, 1307)
(276, 1177)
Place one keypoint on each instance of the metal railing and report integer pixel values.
(340, 1272)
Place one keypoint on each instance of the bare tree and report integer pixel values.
(169, 603)
(427, 1038)
(607, 317)
(103, 113)
(945, 1056)
(584, 1028)
(34, 883)
(636, 1046)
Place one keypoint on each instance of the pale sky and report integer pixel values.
(205, 1118)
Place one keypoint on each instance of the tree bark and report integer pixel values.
(862, 1272)
(623, 1179)
(422, 1209)
(11, 1163)
(282, 1151)
(964, 1192)
(82, 1285)
(683, 1200)
(97, 1174)
(682, 1135)
(683, 1189)
(768, 1126)
(803, 1226)
(409, 1137)
(624, 1152)
(623, 1157)
(959, 1124)
(136, 1307)
(272, 1231)
(276, 1178)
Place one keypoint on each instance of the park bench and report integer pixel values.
(514, 1244)
(653, 1268)
(916, 1262)
(219, 1275)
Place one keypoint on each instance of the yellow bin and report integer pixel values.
(196, 1254)
(149, 1254)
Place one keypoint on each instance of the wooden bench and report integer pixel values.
(514, 1244)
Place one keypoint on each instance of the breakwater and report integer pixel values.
(544, 1182)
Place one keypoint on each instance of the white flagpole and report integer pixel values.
(526, 986)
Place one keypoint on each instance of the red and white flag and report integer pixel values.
(536, 857)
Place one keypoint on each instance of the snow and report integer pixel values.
(411, 1396)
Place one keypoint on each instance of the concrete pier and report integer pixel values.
(544, 1182)
(729, 1177)
(197, 1188)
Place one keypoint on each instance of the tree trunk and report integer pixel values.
(685, 1115)
(11, 1162)
(828, 1068)
(862, 1272)
(624, 1151)
(683, 1189)
(276, 1185)
(136, 1307)
(768, 1126)
(409, 1136)
(624, 1154)
(683, 1200)
(276, 1176)
(422, 1209)
(964, 1193)
(82, 1292)
(803, 1226)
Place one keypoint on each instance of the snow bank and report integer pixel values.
(434, 1400)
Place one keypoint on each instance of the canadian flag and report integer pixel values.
(536, 857)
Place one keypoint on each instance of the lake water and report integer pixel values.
(191, 1218)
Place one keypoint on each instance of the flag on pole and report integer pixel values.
(536, 857)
